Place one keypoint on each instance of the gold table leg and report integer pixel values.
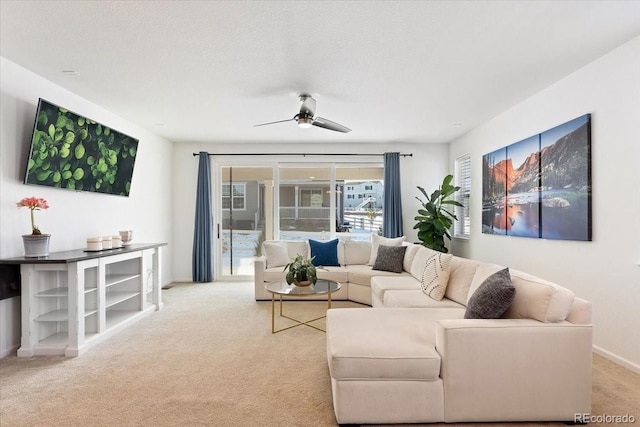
(273, 321)
(298, 322)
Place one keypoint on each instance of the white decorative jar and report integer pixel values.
(116, 241)
(94, 243)
(106, 242)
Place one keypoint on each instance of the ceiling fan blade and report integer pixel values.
(272, 123)
(307, 106)
(328, 124)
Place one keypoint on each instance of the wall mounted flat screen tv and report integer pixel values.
(76, 153)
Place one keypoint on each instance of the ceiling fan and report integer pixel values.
(306, 117)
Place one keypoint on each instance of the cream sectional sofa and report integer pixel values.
(416, 359)
(353, 273)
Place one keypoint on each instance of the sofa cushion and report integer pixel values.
(492, 298)
(362, 274)
(379, 240)
(417, 299)
(354, 252)
(461, 274)
(409, 255)
(274, 274)
(294, 247)
(380, 344)
(580, 313)
(432, 269)
(390, 258)
(335, 273)
(324, 253)
(275, 254)
(539, 299)
(380, 285)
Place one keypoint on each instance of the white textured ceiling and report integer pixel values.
(405, 71)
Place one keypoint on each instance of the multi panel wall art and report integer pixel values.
(541, 186)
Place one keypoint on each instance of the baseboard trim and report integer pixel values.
(7, 352)
(617, 359)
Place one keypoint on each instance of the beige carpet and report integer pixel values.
(209, 359)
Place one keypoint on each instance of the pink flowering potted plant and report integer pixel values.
(36, 244)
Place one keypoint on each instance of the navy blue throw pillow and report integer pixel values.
(325, 253)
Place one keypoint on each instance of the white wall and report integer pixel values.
(426, 168)
(73, 216)
(603, 271)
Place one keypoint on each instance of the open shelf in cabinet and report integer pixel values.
(61, 292)
(115, 317)
(114, 279)
(58, 341)
(61, 315)
(113, 298)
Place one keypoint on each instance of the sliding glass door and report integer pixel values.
(361, 201)
(292, 201)
(305, 202)
(246, 215)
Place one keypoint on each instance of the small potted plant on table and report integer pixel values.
(301, 271)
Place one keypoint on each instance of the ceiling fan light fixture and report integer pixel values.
(307, 117)
(305, 122)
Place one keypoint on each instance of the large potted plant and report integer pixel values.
(434, 220)
(301, 271)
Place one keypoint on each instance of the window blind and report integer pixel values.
(462, 227)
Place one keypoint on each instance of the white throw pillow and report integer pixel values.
(435, 275)
(356, 253)
(275, 253)
(539, 299)
(297, 247)
(535, 298)
(377, 241)
(409, 255)
(461, 275)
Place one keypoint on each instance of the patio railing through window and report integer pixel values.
(303, 212)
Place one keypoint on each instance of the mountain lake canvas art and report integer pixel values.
(541, 186)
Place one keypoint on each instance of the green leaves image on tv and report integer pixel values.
(76, 153)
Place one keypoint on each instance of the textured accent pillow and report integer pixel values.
(276, 254)
(324, 253)
(390, 258)
(483, 271)
(492, 298)
(377, 241)
(435, 276)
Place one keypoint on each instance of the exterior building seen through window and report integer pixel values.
(238, 197)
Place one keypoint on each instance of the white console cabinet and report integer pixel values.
(71, 300)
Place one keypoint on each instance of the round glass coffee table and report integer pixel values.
(282, 288)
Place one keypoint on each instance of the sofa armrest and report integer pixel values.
(514, 369)
(259, 267)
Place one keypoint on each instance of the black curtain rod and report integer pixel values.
(299, 154)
